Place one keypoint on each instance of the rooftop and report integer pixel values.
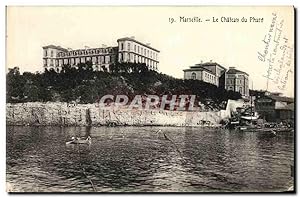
(290, 107)
(55, 47)
(199, 68)
(208, 64)
(232, 70)
(132, 39)
(281, 98)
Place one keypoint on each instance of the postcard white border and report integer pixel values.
(113, 2)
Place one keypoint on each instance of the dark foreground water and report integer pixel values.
(139, 159)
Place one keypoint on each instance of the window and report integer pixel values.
(94, 59)
(145, 52)
(51, 62)
(51, 53)
(121, 58)
(46, 54)
(134, 48)
(194, 76)
(138, 49)
(241, 90)
(122, 46)
(107, 59)
(128, 46)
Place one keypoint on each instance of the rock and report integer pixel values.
(62, 114)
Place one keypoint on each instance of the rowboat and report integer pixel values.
(252, 118)
(266, 131)
(77, 140)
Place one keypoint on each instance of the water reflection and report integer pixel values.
(139, 159)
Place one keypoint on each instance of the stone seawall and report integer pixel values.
(63, 114)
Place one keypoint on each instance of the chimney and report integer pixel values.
(210, 61)
(201, 61)
(104, 46)
(148, 44)
(231, 67)
(132, 37)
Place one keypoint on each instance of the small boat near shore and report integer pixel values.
(76, 140)
(252, 129)
(249, 117)
(255, 128)
(266, 131)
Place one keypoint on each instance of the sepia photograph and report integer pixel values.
(150, 99)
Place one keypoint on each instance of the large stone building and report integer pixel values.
(133, 51)
(218, 75)
(128, 50)
(237, 81)
(209, 72)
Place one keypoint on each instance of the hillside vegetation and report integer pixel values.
(84, 85)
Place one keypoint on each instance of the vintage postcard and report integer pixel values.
(150, 99)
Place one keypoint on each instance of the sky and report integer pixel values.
(181, 44)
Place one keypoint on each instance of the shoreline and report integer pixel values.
(64, 114)
(219, 126)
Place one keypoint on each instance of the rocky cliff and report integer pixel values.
(63, 114)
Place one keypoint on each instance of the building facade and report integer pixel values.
(128, 50)
(133, 51)
(217, 69)
(209, 72)
(216, 74)
(237, 81)
(273, 107)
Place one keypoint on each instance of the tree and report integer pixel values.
(124, 78)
